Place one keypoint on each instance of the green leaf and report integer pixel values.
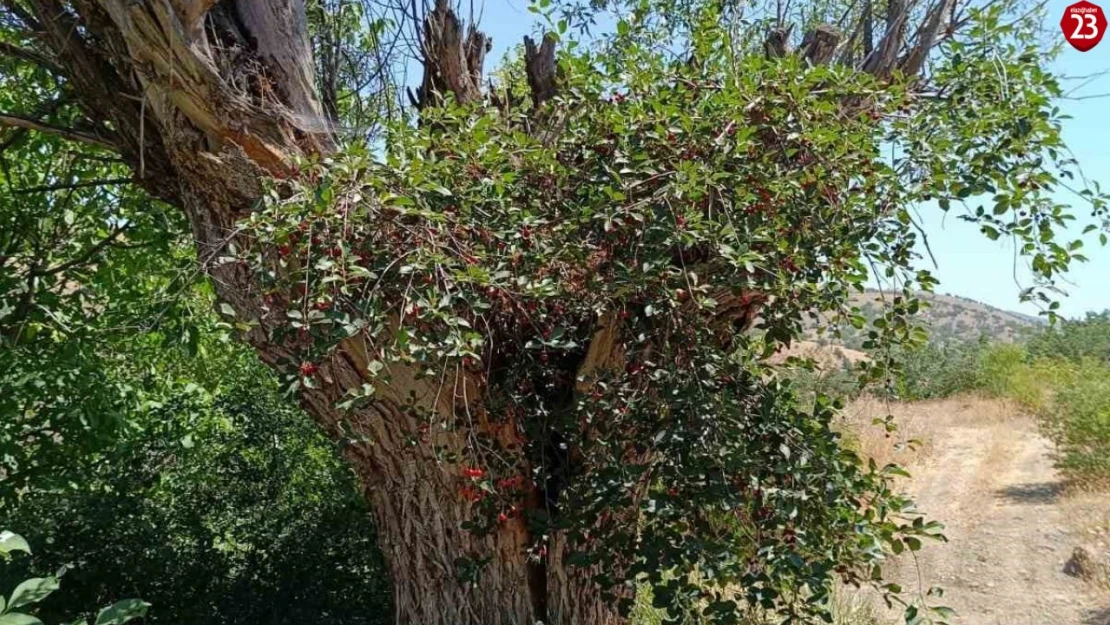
(10, 542)
(943, 611)
(32, 591)
(18, 618)
(121, 612)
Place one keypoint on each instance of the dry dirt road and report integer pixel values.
(987, 474)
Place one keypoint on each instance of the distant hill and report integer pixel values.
(949, 318)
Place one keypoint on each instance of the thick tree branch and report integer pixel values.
(883, 59)
(452, 63)
(777, 43)
(914, 62)
(14, 51)
(539, 65)
(279, 32)
(191, 13)
(820, 44)
(16, 121)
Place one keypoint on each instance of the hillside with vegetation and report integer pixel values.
(948, 318)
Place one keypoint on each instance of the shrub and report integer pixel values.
(999, 367)
(939, 370)
(1075, 339)
(1078, 421)
(1061, 379)
(221, 506)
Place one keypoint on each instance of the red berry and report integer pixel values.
(308, 369)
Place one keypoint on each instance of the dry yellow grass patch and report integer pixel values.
(919, 424)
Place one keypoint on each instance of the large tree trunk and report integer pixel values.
(205, 99)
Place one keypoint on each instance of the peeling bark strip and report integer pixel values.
(203, 99)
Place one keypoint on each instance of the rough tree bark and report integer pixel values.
(206, 98)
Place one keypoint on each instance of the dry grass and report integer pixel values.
(827, 357)
(1090, 521)
(917, 424)
(855, 606)
(1085, 505)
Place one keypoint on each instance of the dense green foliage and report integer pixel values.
(939, 370)
(140, 447)
(216, 505)
(1063, 377)
(20, 607)
(1076, 339)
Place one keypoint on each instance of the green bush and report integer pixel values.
(940, 370)
(809, 383)
(999, 369)
(1063, 377)
(217, 505)
(1078, 421)
(1075, 340)
(181, 475)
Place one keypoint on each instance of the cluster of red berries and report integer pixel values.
(473, 472)
(505, 515)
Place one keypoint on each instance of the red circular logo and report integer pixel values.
(1083, 24)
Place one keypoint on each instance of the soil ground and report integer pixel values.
(1012, 525)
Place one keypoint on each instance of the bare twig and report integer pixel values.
(85, 256)
(75, 185)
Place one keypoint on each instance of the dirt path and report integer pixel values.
(1010, 527)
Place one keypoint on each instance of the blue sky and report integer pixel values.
(968, 263)
(972, 266)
